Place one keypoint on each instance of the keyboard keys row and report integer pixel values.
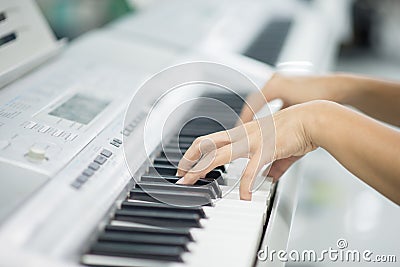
(162, 222)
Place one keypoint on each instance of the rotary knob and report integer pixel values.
(36, 153)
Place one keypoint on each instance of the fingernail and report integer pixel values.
(246, 198)
(180, 181)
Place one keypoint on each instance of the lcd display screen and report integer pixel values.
(80, 108)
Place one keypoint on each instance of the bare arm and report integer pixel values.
(364, 146)
(376, 98)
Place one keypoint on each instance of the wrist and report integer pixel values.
(317, 120)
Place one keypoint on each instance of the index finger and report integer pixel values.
(202, 145)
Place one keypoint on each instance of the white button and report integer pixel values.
(36, 153)
(57, 133)
(71, 137)
(44, 129)
(30, 125)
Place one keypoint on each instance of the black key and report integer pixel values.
(171, 170)
(151, 231)
(215, 174)
(186, 139)
(175, 145)
(174, 179)
(173, 149)
(159, 218)
(161, 206)
(175, 162)
(171, 154)
(163, 169)
(178, 198)
(154, 252)
(167, 161)
(171, 181)
(141, 238)
(175, 187)
(198, 131)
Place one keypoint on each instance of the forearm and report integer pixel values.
(378, 99)
(365, 147)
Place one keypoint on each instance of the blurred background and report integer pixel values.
(333, 203)
(71, 18)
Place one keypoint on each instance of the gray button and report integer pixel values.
(100, 159)
(106, 153)
(115, 143)
(116, 140)
(94, 166)
(82, 178)
(88, 172)
(130, 127)
(76, 184)
(126, 132)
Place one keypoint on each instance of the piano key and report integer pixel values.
(194, 199)
(229, 219)
(200, 131)
(186, 139)
(202, 186)
(166, 161)
(176, 145)
(161, 206)
(184, 232)
(175, 187)
(174, 179)
(159, 252)
(175, 162)
(171, 170)
(115, 261)
(171, 154)
(159, 218)
(141, 238)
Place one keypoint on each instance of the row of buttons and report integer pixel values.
(50, 130)
(92, 167)
(131, 126)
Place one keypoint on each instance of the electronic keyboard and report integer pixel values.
(79, 186)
